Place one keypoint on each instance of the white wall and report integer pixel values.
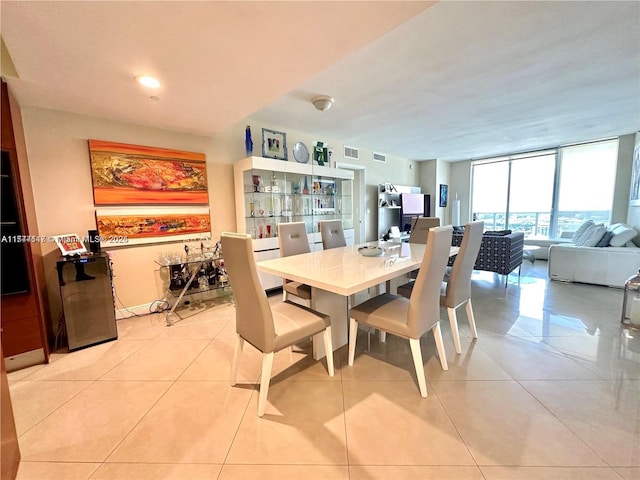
(58, 161)
(57, 150)
(396, 170)
(457, 176)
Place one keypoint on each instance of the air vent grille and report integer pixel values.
(379, 157)
(351, 152)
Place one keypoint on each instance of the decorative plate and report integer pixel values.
(370, 251)
(300, 152)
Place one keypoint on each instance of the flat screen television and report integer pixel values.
(413, 205)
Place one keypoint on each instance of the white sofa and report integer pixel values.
(598, 254)
(610, 266)
(544, 243)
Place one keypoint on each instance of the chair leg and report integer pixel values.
(453, 320)
(284, 295)
(267, 365)
(328, 350)
(472, 320)
(437, 334)
(416, 353)
(383, 336)
(235, 364)
(353, 333)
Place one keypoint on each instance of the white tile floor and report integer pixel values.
(549, 390)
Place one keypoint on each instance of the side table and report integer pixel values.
(198, 274)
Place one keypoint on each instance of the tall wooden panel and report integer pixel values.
(23, 332)
(10, 448)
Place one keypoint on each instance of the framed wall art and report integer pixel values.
(444, 190)
(125, 174)
(274, 144)
(126, 226)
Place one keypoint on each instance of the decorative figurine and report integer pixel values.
(248, 142)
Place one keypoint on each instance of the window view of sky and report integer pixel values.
(585, 188)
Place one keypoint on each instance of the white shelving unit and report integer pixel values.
(389, 205)
(269, 192)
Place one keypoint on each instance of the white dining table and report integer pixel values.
(338, 273)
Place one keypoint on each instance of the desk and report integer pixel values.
(337, 273)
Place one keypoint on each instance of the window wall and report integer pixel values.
(546, 193)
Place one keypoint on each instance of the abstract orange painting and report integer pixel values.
(125, 174)
(120, 227)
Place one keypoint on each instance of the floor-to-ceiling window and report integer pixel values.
(548, 192)
(491, 193)
(586, 184)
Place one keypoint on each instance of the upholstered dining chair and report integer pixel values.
(269, 328)
(420, 228)
(410, 317)
(332, 234)
(456, 291)
(419, 231)
(292, 238)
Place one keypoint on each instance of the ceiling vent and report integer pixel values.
(379, 157)
(350, 152)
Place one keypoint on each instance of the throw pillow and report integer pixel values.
(613, 226)
(622, 234)
(578, 233)
(497, 233)
(592, 235)
(606, 238)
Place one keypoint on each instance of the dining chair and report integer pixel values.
(292, 238)
(332, 234)
(420, 228)
(419, 231)
(410, 317)
(269, 328)
(456, 290)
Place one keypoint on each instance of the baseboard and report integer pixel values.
(23, 360)
(131, 311)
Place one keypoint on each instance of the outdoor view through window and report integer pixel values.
(517, 191)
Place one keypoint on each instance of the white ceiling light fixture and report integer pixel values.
(322, 102)
(147, 81)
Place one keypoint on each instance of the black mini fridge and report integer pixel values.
(87, 299)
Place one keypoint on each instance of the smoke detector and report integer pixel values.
(322, 102)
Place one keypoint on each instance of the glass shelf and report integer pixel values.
(274, 192)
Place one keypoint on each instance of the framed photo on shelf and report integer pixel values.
(274, 144)
(70, 244)
(443, 195)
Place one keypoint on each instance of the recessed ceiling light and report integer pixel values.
(147, 81)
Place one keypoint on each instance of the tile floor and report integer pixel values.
(549, 390)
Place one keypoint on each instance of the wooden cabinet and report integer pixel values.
(269, 192)
(23, 333)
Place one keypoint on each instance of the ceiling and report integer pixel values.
(450, 80)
